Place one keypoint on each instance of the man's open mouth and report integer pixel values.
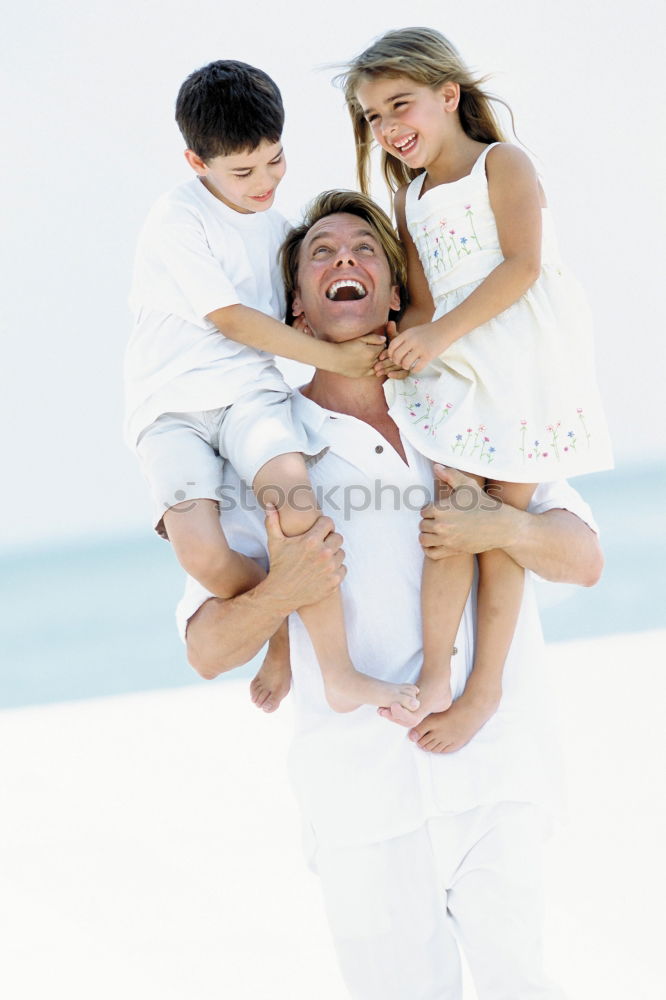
(346, 290)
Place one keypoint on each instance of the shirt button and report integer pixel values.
(454, 651)
(379, 449)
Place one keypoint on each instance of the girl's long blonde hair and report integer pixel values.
(428, 58)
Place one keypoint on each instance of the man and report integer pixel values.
(409, 844)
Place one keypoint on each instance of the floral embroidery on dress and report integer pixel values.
(481, 446)
(442, 246)
(533, 450)
(426, 409)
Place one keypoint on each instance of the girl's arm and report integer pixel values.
(355, 358)
(421, 307)
(516, 200)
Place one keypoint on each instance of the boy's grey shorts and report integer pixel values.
(182, 454)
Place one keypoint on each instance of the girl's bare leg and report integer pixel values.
(194, 530)
(283, 482)
(445, 587)
(501, 582)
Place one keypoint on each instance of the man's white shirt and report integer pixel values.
(358, 778)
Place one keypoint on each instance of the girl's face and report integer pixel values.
(409, 120)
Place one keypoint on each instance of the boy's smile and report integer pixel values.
(246, 182)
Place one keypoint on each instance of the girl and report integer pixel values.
(502, 378)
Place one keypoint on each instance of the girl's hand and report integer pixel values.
(384, 366)
(415, 348)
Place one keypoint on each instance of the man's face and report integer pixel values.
(344, 285)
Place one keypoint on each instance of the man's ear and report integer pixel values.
(296, 306)
(196, 163)
(394, 302)
(299, 321)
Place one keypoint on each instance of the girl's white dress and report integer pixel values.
(516, 398)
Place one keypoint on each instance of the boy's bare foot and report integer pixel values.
(446, 732)
(352, 689)
(273, 681)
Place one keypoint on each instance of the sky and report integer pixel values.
(90, 143)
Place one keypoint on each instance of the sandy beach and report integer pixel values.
(150, 843)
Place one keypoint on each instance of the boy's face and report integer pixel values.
(245, 182)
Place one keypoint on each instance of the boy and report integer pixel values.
(202, 385)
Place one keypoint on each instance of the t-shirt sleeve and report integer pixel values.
(182, 247)
(560, 495)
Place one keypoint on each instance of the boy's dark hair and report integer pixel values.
(228, 107)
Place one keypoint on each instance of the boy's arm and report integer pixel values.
(355, 358)
(304, 569)
(556, 544)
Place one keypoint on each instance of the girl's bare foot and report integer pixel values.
(351, 689)
(434, 695)
(446, 732)
(273, 681)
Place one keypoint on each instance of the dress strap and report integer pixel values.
(414, 190)
(480, 163)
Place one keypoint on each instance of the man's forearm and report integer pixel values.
(555, 545)
(226, 634)
(304, 570)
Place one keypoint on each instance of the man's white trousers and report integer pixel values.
(400, 908)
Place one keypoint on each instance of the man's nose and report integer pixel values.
(345, 258)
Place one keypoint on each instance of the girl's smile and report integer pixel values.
(407, 119)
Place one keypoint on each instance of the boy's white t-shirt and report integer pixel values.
(195, 255)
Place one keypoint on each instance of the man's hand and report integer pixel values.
(356, 358)
(467, 521)
(306, 568)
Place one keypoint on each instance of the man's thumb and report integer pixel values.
(273, 528)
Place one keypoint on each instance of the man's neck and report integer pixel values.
(362, 398)
(358, 397)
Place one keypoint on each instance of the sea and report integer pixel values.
(96, 618)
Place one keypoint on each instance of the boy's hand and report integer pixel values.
(385, 366)
(356, 358)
